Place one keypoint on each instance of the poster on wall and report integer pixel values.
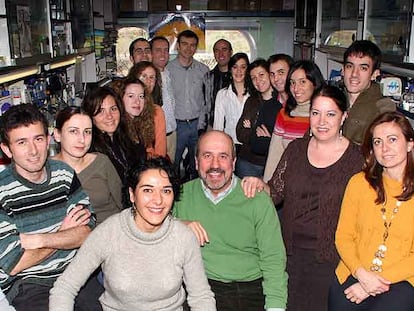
(25, 32)
(170, 25)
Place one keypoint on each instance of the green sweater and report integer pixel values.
(245, 239)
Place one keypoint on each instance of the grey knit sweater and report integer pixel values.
(142, 271)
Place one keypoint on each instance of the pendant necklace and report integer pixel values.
(382, 248)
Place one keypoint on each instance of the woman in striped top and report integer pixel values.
(304, 78)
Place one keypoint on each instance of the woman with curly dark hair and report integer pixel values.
(146, 255)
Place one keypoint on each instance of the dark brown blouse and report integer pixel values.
(312, 197)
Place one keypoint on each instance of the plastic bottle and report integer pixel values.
(408, 98)
(16, 96)
(40, 91)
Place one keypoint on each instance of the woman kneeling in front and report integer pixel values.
(144, 253)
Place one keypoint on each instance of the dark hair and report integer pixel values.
(247, 82)
(160, 163)
(258, 62)
(225, 41)
(278, 57)
(131, 46)
(361, 48)
(373, 170)
(65, 114)
(101, 141)
(313, 74)
(18, 116)
(135, 72)
(334, 93)
(158, 38)
(187, 34)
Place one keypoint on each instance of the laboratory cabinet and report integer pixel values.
(385, 22)
(38, 35)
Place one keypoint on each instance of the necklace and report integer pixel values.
(382, 248)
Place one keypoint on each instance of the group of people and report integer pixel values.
(336, 167)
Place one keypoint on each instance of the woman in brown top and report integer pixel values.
(73, 132)
(310, 180)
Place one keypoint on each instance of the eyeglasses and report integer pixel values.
(142, 51)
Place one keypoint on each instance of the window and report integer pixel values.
(240, 40)
(339, 22)
(125, 36)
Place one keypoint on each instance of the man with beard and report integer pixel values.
(243, 251)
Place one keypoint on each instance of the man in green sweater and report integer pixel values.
(242, 247)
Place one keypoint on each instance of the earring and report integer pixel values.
(310, 133)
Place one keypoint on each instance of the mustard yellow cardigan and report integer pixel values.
(361, 227)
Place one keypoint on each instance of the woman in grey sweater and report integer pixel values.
(144, 253)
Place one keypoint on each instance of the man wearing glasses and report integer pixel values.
(140, 50)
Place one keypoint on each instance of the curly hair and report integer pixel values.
(163, 164)
(136, 71)
(145, 125)
(142, 127)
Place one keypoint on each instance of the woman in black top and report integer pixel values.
(110, 135)
(256, 123)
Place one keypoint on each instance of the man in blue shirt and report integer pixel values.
(187, 81)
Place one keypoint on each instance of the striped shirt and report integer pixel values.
(27, 207)
(291, 128)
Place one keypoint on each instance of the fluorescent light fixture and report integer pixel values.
(19, 74)
(63, 63)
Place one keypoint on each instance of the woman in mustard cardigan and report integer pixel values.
(375, 234)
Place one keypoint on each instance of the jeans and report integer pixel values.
(399, 297)
(35, 297)
(187, 137)
(245, 168)
(236, 296)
